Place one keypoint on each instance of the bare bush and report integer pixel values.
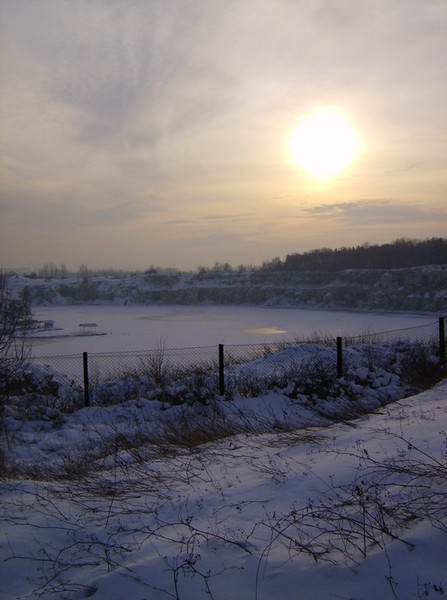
(389, 495)
(14, 323)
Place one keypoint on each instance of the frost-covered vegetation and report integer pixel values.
(297, 484)
(304, 371)
(406, 275)
(411, 289)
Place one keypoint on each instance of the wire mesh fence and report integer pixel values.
(277, 365)
(104, 366)
(383, 349)
(244, 368)
(70, 365)
(154, 363)
(421, 334)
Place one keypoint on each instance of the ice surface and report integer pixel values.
(144, 327)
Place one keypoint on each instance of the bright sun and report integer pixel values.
(324, 143)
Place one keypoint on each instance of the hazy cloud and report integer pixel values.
(169, 121)
(376, 211)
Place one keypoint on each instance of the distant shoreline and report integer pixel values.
(61, 336)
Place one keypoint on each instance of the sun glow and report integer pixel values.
(324, 143)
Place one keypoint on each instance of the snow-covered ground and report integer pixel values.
(348, 510)
(142, 327)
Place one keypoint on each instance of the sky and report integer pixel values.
(159, 132)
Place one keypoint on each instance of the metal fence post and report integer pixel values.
(85, 371)
(221, 371)
(442, 340)
(339, 357)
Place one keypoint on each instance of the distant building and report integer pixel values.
(87, 328)
(36, 325)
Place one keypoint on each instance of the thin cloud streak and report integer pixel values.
(378, 211)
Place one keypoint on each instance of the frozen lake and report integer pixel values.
(146, 327)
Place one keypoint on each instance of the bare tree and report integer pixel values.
(53, 271)
(83, 272)
(14, 322)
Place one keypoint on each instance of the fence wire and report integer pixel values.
(383, 349)
(267, 367)
(105, 366)
(246, 368)
(154, 363)
(421, 334)
(70, 365)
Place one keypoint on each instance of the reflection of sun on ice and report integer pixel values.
(324, 143)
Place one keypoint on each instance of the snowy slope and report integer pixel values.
(354, 510)
(408, 289)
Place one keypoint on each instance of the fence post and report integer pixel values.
(442, 340)
(85, 371)
(339, 357)
(221, 371)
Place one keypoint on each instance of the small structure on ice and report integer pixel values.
(87, 328)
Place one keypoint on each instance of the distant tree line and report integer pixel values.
(395, 255)
(53, 271)
(402, 253)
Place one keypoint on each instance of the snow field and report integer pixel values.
(110, 510)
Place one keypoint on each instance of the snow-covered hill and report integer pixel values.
(409, 289)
